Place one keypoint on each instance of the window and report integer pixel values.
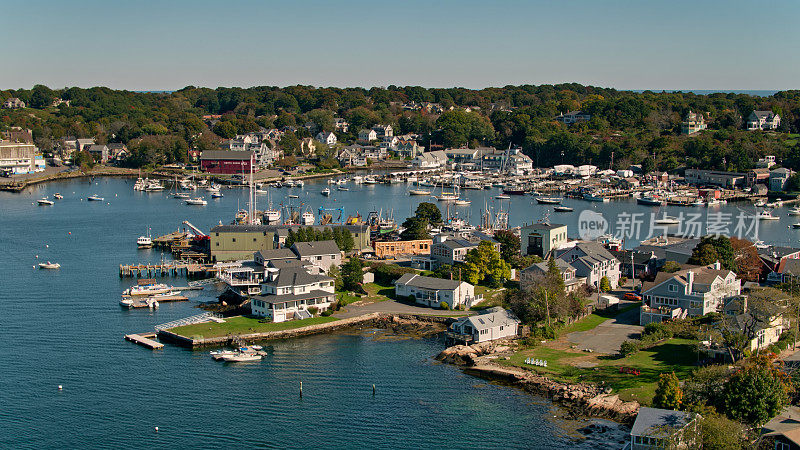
(673, 288)
(233, 239)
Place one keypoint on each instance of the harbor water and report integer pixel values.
(65, 327)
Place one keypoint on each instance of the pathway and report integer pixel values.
(609, 335)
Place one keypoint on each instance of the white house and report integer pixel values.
(593, 261)
(287, 294)
(432, 292)
(430, 160)
(367, 135)
(490, 324)
(763, 120)
(326, 137)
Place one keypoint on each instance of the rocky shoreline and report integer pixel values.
(582, 399)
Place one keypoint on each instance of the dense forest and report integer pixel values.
(637, 128)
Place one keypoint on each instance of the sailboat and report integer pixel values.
(448, 196)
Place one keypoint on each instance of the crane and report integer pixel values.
(199, 235)
(322, 215)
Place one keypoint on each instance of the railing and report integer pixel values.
(199, 318)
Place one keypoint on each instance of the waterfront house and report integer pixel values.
(715, 177)
(591, 260)
(430, 160)
(782, 432)
(778, 179)
(763, 120)
(392, 249)
(287, 294)
(226, 161)
(451, 250)
(757, 175)
(530, 275)
(321, 254)
(571, 117)
(656, 428)
(462, 155)
(13, 103)
(488, 325)
(541, 238)
(117, 150)
(367, 135)
(272, 256)
(17, 158)
(99, 152)
(408, 148)
(692, 292)
(83, 144)
(432, 292)
(693, 123)
(326, 137)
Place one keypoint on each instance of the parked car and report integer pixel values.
(632, 296)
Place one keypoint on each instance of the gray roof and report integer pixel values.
(653, 421)
(315, 248)
(543, 226)
(458, 243)
(543, 266)
(276, 253)
(282, 298)
(294, 276)
(284, 263)
(412, 279)
(492, 317)
(238, 155)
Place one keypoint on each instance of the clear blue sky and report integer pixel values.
(169, 44)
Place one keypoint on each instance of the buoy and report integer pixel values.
(373, 389)
(46, 246)
(156, 429)
(301, 389)
(37, 256)
(60, 387)
(69, 232)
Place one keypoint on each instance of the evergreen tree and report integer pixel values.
(352, 275)
(668, 393)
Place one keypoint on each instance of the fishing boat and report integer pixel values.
(145, 241)
(196, 201)
(44, 201)
(95, 198)
(795, 211)
(58, 196)
(548, 200)
(562, 209)
(49, 265)
(462, 202)
(326, 192)
(666, 220)
(418, 192)
(649, 201)
(592, 197)
(502, 197)
(307, 218)
(767, 215)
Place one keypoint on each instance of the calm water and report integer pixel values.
(65, 327)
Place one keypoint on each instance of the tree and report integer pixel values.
(605, 284)
(748, 263)
(335, 273)
(671, 267)
(720, 433)
(225, 129)
(668, 392)
(352, 275)
(415, 228)
(430, 212)
(483, 264)
(711, 249)
(756, 393)
(509, 246)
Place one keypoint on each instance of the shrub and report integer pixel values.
(628, 348)
(313, 310)
(622, 281)
(326, 313)
(444, 305)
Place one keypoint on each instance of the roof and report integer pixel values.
(652, 421)
(294, 276)
(490, 318)
(276, 253)
(412, 279)
(543, 226)
(640, 258)
(545, 265)
(763, 114)
(458, 243)
(315, 248)
(237, 155)
(702, 275)
(287, 263)
(786, 424)
(282, 298)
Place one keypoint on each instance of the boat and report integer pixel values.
(299, 183)
(95, 198)
(358, 179)
(154, 185)
(342, 188)
(795, 211)
(716, 202)
(213, 189)
(369, 179)
(761, 203)
(760, 245)
(502, 197)
(196, 201)
(548, 200)
(649, 201)
(217, 195)
(147, 288)
(562, 209)
(326, 192)
(293, 196)
(447, 197)
(181, 195)
(44, 201)
(307, 218)
(145, 241)
(513, 191)
(462, 202)
(767, 215)
(242, 354)
(591, 197)
(698, 202)
(666, 220)
(58, 196)
(49, 265)
(418, 192)
(796, 225)
(139, 185)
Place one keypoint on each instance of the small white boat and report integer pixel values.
(796, 225)
(182, 195)
(794, 211)
(546, 200)
(666, 220)
(49, 265)
(462, 202)
(502, 197)
(293, 196)
(147, 289)
(369, 179)
(418, 192)
(767, 215)
(761, 203)
(241, 357)
(196, 201)
(213, 189)
(217, 195)
(562, 209)
(95, 198)
(342, 188)
(58, 196)
(326, 192)
(144, 242)
(45, 202)
(447, 197)
(698, 202)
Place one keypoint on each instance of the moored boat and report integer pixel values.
(49, 265)
(767, 215)
(548, 200)
(418, 192)
(95, 198)
(562, 209)
(45, 202)
(58, 196)
(649, 201)
(795, 211)
(196, 201)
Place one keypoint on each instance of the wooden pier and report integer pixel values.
(144, 339)
(167, 269)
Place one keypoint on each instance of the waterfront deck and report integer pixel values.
(167, 269)
(144, 339)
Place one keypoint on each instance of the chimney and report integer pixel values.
(690, 280)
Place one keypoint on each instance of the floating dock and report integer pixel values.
(145, 340)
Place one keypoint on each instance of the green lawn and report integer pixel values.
(243, 325)
(673, 355)
(376, 292)
(595, 319)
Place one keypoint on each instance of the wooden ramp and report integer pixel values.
(144, 340)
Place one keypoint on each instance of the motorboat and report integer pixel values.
(795, 211)
(667, 220)
(95, 198)
(767, 215)
(49, 265)
(154, 185)
(181, 195)
(140, 185)
(294, 196)
(760, 245)
(418, 192)
(342, 188)
(548, 200)
(326, 192)
(591, 197)
(562, 209)
(761, 203)
(796, 225)
(149, 289)
(196, 201)
(369, 179)
(217, 195)
(698, 202)
(213, 189)
(241, 354)
(58, 196)
(144, 241)
(649, 201)
(462, 202)
(299, 183)
(503, 197)
(44, 201)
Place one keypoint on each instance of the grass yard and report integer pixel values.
(672, 355)
(243, 325)
(376, 292)
(596, 318)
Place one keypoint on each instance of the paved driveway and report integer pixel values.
(393, 307)
(609, 335)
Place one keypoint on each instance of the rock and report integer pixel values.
(458, 354)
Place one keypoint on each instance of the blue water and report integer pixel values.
(65, 328)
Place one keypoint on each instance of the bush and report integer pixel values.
(388, 273)
(444, 305)
(326, 313)
(313, 310)
(622, 281)
(628, 348)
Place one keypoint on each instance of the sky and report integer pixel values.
(170, 44)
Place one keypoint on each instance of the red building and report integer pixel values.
(226, 161)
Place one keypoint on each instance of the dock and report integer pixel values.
(145, 340)
(166, 269)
